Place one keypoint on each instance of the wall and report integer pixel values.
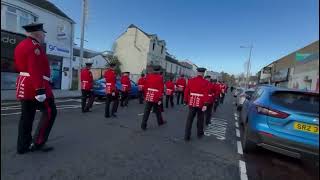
(309, 69)
(132, 48)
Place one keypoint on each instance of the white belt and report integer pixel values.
(210, 95)
(108, 83)
(27, 74)
(180, 86)
(170, 89)
(196, 94)
(85, 81)
(124, 85)
(151, 89)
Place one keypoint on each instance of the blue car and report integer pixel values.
(282, 120)
(100, 85)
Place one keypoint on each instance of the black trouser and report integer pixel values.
(208, 114)
(86, 95)
(193, 111)
(28, 111)
(109, 99)
(216, 104)
(147, 109)
(124, 98)
(180, 93)
(171, 100)
(140, 96)
(222, 98)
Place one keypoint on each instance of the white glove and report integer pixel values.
(159, 103)
(41, 97)
(204, 108)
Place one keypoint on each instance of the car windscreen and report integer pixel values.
(297, 101)
(249, 93)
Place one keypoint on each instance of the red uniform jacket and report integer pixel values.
(181, 84)
(223, 88)
(141, 83)
(153, 89)
(216, 90)
(169, 88)
(33, 65)
(196, 92)
(110, 77)
(86, 79)
(211, 93)
(125, 83)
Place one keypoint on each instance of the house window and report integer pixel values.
(154, 44)
(15, 19)
(11, 19)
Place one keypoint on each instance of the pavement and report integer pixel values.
(89, 146)
(10, 95)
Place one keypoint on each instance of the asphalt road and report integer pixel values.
(88, 146)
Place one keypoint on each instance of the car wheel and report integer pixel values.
(247, 145)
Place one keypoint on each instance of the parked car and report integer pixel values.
(281, 120)
(242, 97)
(238, 91)
(100, 85)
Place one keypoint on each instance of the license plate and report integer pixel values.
(306, 127)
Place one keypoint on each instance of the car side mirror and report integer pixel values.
(248, 97)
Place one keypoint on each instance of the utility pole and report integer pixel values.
(84, 8)
(248, 65)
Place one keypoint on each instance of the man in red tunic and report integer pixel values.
(111, 91)
(196, 96)
(86, 87)
(33, 90)
(217, 95)
(125, 89)
(169, 92)
(141, 83)
(208, 112)
(181, 85)
(153, 91)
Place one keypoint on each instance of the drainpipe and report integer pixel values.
(71, 55)
(135, 40)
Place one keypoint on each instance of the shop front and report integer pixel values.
(9, 41)
(9, 75)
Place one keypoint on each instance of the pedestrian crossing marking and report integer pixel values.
(217, 128)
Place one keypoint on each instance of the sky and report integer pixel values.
(207, 32)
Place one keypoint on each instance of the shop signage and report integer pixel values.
(58, 50)
(302, 56)
(9, 41)
(61, 34)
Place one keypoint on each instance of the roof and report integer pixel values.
(44, 4)
(86, 53)
(170, 59)
(147, 34)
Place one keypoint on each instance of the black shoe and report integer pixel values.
(163, 123)
(187, 138)
(113, 115)
(106, 116)
(43, 148)
(144, 127)
(200, 136)
(23, 151)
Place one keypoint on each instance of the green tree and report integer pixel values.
(112, 58)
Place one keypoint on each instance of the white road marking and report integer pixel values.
(236, 115)
(243, 170)
(237, 124)
(236, 118)
(239, 147)
(10, 114)
(217, 128)
(58, 107)
(237, 132)
(141, 114)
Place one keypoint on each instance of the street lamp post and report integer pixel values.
(84, 8)
(248, 64)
